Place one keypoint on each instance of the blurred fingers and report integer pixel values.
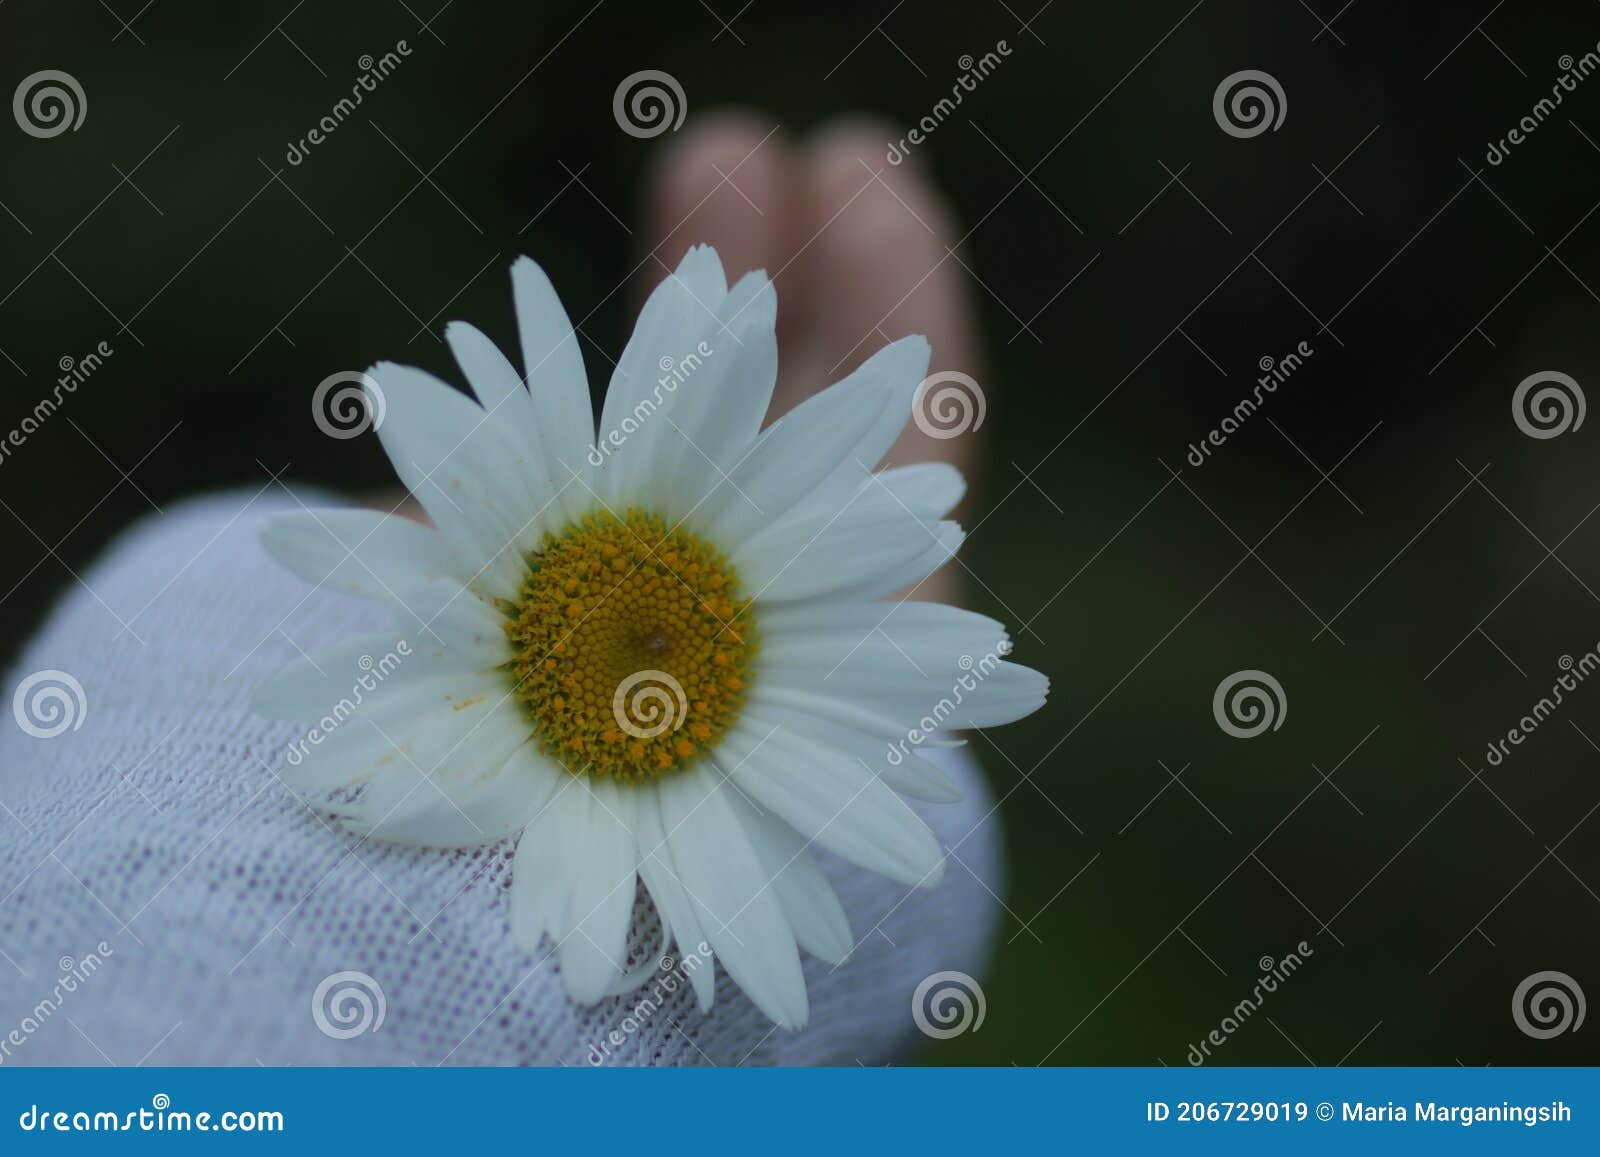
(875, 264)
(724, 182)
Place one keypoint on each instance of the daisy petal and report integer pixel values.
(594, 935)
(947, 540)
(811, 706)
(986, 694)
(314, 685)
(934, 486)
(540, 874)
(804, 555)
(454, 462)
(672, 901)
(809, 901)
(434, 764)
(895, 760)
(677, 314)
(498, 804)
(553, 368)
(365, 736)
(359, 552)
(900, 366)
(719, 407)
(795, 454)
(460, 624)
(831, 798)
(506, 404)
(740, 914)
(833, 631)
(903, 661)
(920, 778)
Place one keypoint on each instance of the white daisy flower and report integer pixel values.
(662, 654)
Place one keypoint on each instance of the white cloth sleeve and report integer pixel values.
(165, 899)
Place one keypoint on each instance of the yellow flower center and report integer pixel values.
(631, 647)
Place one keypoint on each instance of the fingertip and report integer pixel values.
(882, 264)
(859, 175)
(880, 261)
(723, 182)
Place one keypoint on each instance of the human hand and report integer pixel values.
(157, 838)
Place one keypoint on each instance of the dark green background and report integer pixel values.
(1427, 906)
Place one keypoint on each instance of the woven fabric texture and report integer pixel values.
(158, 829)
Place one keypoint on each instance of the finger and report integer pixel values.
(877, 266)
(723, 182)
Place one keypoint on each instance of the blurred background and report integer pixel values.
(1382, 537)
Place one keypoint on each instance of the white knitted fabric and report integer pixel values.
(158, 828)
